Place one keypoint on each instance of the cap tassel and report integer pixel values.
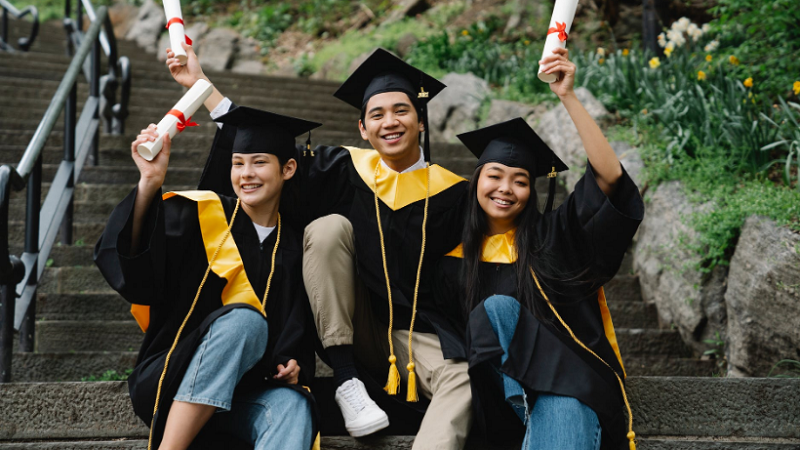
(427, 144)
(308, 144)
(393, 383)
(551, 192)
(632, 440)
(412, 396)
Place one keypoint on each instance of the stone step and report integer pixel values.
(73, 306)
(73, 280)
(623, 288)
(633, 315)
(663, 366)
(666, 407)
(40, 367)
(88, 336)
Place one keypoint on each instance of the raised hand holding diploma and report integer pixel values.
(178, 118)
(558, 33)
(177, 31)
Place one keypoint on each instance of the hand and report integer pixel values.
(559, 62)
(186, 75)
(289, 373)
(151, 173)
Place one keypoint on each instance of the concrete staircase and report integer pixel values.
(84, 329)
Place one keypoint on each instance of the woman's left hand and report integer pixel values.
(289, 373)
(559, 62)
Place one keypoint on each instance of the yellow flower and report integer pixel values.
(701, 75)
(527, 42)
(709, 58)
(601, 51)
(625, 52)
(668, 51)
(601, 60)
(796, 87)
(644, 111)
(748, 82)
(655, 62)
(734, 60)
(464, 33)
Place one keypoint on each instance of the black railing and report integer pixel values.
(20, 276)
(23, 43)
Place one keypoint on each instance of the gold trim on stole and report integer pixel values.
(228, 265)
(398, 190)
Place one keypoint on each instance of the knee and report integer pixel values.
(501, 306)
(245, 325)
(566, 406)
(328, 235)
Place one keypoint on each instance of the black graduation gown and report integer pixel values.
(589, 232)
(165, 275)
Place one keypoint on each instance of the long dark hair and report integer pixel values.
(531, 253)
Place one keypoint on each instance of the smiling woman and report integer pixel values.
(257, 180)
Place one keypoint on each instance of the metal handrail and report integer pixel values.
(24, 43)
(19, 276)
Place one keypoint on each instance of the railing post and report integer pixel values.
(94, 91)
(8, 298)
(69, 155)
(79, 15)
(4, 37)
(32, 226)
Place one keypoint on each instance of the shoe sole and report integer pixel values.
(369, 429)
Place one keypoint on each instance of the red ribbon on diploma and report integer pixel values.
(180, 21)
(182, 122)
(561, 29)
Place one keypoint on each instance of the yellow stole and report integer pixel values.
(500, 249)
(398, 190)
(228, 265)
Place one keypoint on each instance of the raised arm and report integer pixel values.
(151, 178)
(606, 165)
(187, 75)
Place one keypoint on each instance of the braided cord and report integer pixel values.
(185, 321)
(272, 268)
(631, 435)
(419, 268)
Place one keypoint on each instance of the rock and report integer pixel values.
(559, 132)
(686, 298)
(630, 159)
(217, 49)
(122, 17)
(195, 32)
(455, 109)
(248, 67)
(763, 298)
(407, 8)
(358, 61)
(405, 43)
(503, 110)
(333, 67)
(248, 58)
(148, 26)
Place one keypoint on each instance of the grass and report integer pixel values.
(109, 375)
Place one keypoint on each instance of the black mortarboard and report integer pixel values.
(384, 72)
(255, 131)
(514, 143)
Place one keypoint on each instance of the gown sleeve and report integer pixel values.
(140, 278)
(592, 229)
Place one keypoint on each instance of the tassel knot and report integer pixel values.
(393, 383)
(411, 395)
(632, 440)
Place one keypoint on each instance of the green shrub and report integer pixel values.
(110, 375)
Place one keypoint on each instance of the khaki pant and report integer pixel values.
(343, 316)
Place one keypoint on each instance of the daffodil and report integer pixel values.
(733, 60)
(601, 51)
(709, 57)
(464, 33)
(748, 82)
(668, 50)
(655, 62)
(625, 52)
(601, 61)
(701, 76)
(527, 42)
(796, 88)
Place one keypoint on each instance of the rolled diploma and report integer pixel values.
(188, 105)
(563, 12)
(177, 33)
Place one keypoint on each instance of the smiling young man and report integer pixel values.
(377, 222)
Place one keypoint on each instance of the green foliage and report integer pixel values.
(785, 368)
(110, 375)
(512, 66)
(764, 36)
(717, 352)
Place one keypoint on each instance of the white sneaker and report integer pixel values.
(361, 415)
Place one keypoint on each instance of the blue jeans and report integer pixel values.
(554, 421)
(272, 418)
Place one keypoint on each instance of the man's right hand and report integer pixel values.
(186, 75)
(151, 173)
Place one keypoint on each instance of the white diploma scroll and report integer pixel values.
(560, 26)
(170, 124)
(177, 31)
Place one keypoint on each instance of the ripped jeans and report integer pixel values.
(552, 421)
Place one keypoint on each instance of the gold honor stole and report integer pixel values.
(398, 190)
(228, 265)
(500, 249)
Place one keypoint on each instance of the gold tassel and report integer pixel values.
(632, 440)
(318, 446)
(393, 383)
(412, 384)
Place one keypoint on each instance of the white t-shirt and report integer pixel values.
(263, 232)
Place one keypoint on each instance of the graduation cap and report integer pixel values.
(257, 131)
(514, 143)
(383, 72)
